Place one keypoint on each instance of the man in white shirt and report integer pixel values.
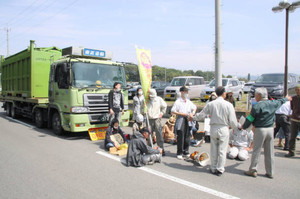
(240, 142)
(182, 108)
(283, 121)
(156, 108)
(222, 116)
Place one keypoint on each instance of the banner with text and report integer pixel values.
(145, 70)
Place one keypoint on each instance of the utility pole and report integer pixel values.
(218, 50)
(7, 38)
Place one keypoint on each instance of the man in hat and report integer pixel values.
(222, 116)
(168, 130)
(295, 122)
(156, 107)
(139, 153)
(182, 108)
(262, 117)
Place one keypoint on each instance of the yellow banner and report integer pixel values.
(97, 133)
(145, 70)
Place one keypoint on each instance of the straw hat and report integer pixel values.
(171, 120)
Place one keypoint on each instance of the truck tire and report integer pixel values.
(13, 111)
(38, 118)
(56, 124)
(8, 109)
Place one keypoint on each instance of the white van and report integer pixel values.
(230, 84)
(195, 84)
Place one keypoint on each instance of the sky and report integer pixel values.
(179, 33)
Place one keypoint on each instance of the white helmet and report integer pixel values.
(139, 118)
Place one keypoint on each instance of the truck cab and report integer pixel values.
(79, 84)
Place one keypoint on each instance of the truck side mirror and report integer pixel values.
(65, 68)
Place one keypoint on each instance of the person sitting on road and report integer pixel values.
(168, 130)
(139, 153)
(114, 135)
(240, 142)
(139, 123)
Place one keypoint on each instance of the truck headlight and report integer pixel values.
(79, 109)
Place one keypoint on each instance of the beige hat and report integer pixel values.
(171, 121)
(152, 93)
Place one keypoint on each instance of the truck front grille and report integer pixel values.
(98, 107)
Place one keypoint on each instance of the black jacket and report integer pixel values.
(111, 131)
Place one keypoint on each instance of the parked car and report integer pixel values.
(247, 87)
(274, 83)
(159, 86)
(194, 83)
(230, 84)
(133, 86)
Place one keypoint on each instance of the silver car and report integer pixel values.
(230, 85)
(194, 83)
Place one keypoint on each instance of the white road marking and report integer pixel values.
(18, 121)
(172, 178)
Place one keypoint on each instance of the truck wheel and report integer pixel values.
(38, 117)
(8, 109)
(56, 124)
(13, 111)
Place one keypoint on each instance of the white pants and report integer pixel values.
(219, 137)
(239, 152)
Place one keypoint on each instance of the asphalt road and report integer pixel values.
(37, 164)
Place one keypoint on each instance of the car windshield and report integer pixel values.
(178, 82)
(270, 79)
(224, 82)
(90, 74)
(155, 84)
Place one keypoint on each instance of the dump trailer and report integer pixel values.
(66, 89)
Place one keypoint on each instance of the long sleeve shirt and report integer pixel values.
(295, 106)
(156, 107)
(262, 114)
(240, 138)
(138, 103)
(115, 100)
(221, 113)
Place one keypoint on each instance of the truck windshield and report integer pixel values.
(270, 79)
(178, 82)
(89, 74)
(224, 82)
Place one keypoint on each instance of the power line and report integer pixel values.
(23, 11)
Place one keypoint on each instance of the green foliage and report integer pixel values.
(160, 73)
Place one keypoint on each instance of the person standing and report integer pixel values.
(222, 116)
(282, 120)
(115, 102)
(156, 109)
(138, 103)
(295, 122)
(182, 108)
(262, 117)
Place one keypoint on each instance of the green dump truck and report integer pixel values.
(64, 89)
